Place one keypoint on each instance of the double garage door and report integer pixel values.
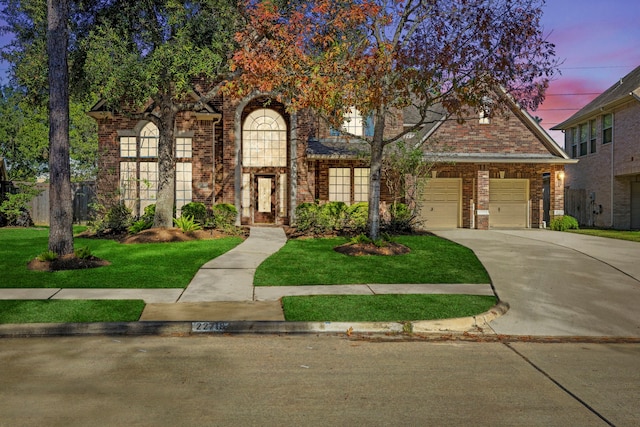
(440, 205)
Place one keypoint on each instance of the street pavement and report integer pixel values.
(559, 284)
(314, 380)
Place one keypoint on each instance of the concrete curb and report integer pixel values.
(186, 328)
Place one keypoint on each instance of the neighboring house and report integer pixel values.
(603, 188)
(501, 171)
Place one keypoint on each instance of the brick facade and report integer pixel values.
(219, 176)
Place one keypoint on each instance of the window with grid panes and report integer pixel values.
(183, 147)
(574, 142)
(264, 139)
(128, 183)
(584, 136)
(592, 136)
(340, 185)
(183, 185)
(148, 184)
(128, 146)
(360, 185)
(607, 128)
(149, 136)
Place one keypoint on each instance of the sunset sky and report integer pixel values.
(597, 41)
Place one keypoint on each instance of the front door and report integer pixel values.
(265, 199)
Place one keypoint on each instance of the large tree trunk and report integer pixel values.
(375, 176)
(166, 167)
(60, 202)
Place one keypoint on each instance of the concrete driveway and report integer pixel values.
(559, 284)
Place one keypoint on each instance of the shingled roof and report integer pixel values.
(625, 90)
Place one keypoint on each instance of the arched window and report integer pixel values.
(149, 136)
(264, 139)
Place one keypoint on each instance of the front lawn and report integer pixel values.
(70, 311)
(633, 236)
(383, 308)
(144, 265)
(314, 262)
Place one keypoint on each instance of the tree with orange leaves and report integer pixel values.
(381, 56)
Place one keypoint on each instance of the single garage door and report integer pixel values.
(508, 203)
(439, 205)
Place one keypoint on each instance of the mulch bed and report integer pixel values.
(360, 249)
(67, 262)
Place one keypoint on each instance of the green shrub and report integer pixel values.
(118, 218)
(357, 217)
(224, 216)
(332, 216)
(400, 219)
(15, 207)
(140, 225)
(563, 223)
(306, 216)
(197, 211)
(47, 256)
(83, 253)
(149, 214)
(186, 224)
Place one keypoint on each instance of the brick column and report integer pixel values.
(482, 204)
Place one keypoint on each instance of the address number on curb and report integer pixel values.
(209, 326)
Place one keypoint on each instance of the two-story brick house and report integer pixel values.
(603, 188)
(501, 171)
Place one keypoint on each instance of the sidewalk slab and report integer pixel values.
(273, 293)
(147, 295)
(27, 293)
(214, 311)
(220, 285)
(427, 288)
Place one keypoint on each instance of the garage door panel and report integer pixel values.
(508, 203)
(440, 203)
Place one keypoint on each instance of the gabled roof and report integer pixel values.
(339, 148)
(556, 153)
(625, 90)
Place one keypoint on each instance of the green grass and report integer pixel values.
(314, 262)
(70, 311)
(145, 265)
(633, 236)
(383, 308)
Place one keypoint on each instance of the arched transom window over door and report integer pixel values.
(264, 139)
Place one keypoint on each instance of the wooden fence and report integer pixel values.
(84, 193)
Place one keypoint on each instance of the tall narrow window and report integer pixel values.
(592, 136)
(360, 185)
(183, 185)
(574, 142)
(340, 185)
(128, 184)
(584, 136)
(149, 136)
(607, 128)
(148, 184)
